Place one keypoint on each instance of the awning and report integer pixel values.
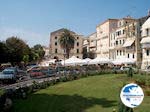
(128, 42)
(145, 40)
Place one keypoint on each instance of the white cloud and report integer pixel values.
(30, 37)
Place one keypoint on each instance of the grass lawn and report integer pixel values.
(91, 94)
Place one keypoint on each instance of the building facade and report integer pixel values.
(145, 42)
(89, 46)
(103, 30)
(122, 40)
(57, 52)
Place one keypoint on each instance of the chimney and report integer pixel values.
(148, 12)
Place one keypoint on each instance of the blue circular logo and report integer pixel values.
(132, 95)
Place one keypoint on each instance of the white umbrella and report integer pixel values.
(86, 61)
(72, 61)
(52, 61)
(123, 61)
(99, 60)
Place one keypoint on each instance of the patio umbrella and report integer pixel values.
(123, 61)
(86, 61)
(72, 61)
(99, 60)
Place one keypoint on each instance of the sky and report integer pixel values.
(33, 20)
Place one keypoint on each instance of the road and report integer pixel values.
(28, 83)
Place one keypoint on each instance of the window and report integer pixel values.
(133, 56)
(77, 37)
(123, 31)
(77, 50)
(55, 37)
(128, 56)
(116, 42)
(147, 52)
(120, 52)
(55, 43)
(117, 52)
(147, 32)
(77, 43)
(55, 50)
(123, 41)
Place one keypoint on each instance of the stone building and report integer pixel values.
(57, 52)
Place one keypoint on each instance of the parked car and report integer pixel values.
(29, 68)
(124, 69)
(36, 73)
(9, 74)
(146, 70)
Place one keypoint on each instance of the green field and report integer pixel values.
(91, 94)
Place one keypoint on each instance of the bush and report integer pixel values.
(130, 72)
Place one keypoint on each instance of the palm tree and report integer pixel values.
(67, 41)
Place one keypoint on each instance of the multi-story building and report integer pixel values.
(57, 52)
(145, 42)
(89, 45)
(125, 40)
(122, 40)
(103, 31)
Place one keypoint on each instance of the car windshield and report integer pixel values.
(8, 72)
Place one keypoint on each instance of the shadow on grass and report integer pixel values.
(60, 103)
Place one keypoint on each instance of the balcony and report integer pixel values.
(146, 45)
(93, 44)
(130, 49)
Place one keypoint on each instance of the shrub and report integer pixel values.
(130, 72)
(1, 92)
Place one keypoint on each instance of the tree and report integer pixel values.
(67, 41)
(26, 59)
(37, 52)
(3, 52)
(17, 48)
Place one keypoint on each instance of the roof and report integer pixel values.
(107, 21)
(145, 40)
(146, 24)
(128, 42)
(61, 30)
(92, 34)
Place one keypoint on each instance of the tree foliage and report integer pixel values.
(15, 50)
(67, 41)
(38, 52)
(3, 52)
